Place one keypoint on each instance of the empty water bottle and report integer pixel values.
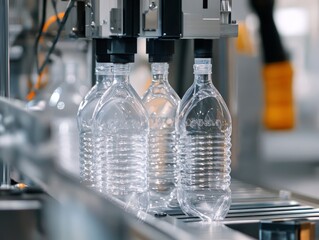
(187, 96)
(63, 104)
(204, 127)
(88, 164)
(121, 136)
(161, 103)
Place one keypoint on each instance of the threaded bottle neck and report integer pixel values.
(203, 71)
(104, 69)
(202, 66)
(104, 74)
(71, 72)
(121, 72)
(160, 72)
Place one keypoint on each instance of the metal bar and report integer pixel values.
(4, 49)
(4, 74)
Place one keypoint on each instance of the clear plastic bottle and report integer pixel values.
(187, 96)
(121, 134)
(63, 105)
(88, 164)
(161, 103)
(205, 129)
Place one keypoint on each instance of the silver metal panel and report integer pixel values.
(199, 22)
(150, 18)
(104, 18)
(4, 78)
(228, 30)
(225, 11)
(10, 205)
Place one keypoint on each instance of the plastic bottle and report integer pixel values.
(63, 105)
(88, 164)
(187, 96)
(161, 103)
(204, 149)
(121, 134)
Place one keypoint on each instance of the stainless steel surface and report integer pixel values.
(225, 12)
(18, 21)
(4, 76)
(253, 204)
(199, 22)
(100, 21)
(205, 19)
(19, 205)
(20, 219)
(151, 18)
(4, 49)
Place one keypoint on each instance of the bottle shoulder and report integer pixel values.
(163, 93)
(65, 100)
(205, 110)
(121, 103)
(186, 97)
(87, 107)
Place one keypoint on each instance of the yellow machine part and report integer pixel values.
(279, 110)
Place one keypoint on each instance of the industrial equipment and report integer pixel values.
(65, 209)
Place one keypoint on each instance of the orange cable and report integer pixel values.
(31, 95)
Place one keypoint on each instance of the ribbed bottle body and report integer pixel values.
(187, 96)
(65, 136)
(204, 128)
(88, 163)
(204, 177)
(121, 139)
(161, 103)
(121, 136)
(85, 128)
(162, 165)
(123, 161)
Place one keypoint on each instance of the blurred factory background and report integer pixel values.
(286, 159)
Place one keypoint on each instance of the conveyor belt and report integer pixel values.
(100, 218)
(250, 206)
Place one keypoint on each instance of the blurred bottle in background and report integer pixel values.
(45, 85)
(63, 106)
(161, 103)
(204, 128)
(88, 165)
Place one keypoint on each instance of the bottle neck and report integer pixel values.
(160, 72)
(104, 74)
(121, 72)
(70, 72)
(203, 71)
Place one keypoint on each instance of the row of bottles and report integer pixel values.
(157, 152)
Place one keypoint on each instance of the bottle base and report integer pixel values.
(209, 206)
(159, 202)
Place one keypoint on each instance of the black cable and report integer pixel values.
(54, 5)
(65, 17)
(36, 45)
(273, 48)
